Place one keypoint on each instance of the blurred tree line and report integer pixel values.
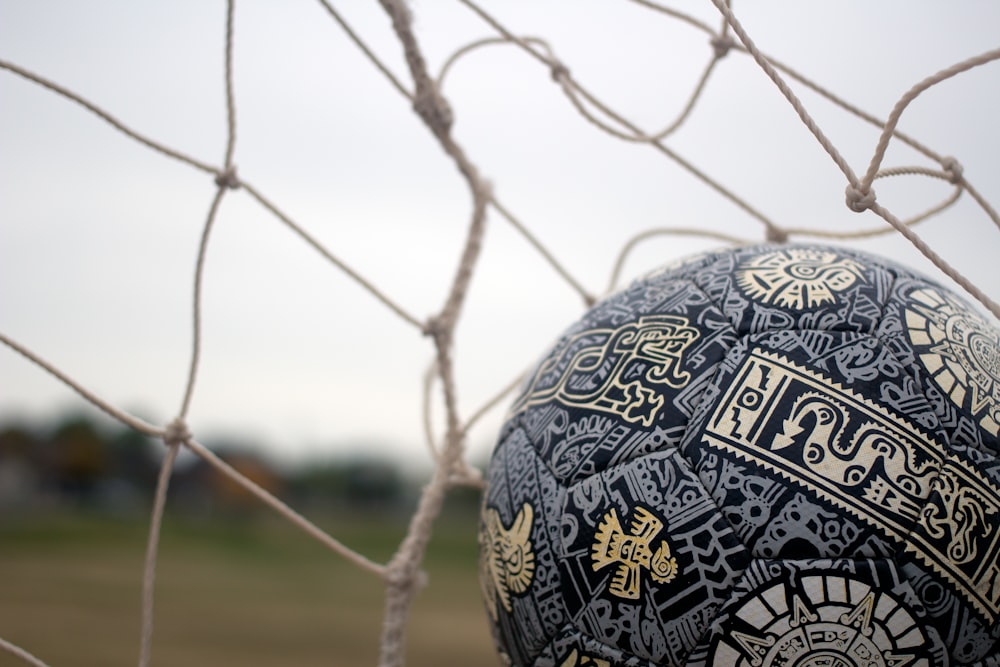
(83, 463)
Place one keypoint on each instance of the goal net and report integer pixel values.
(332, 220)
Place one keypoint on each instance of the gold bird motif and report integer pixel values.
(632, 552)
(507, 562)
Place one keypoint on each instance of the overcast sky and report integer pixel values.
(99, 235)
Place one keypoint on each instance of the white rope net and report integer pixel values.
(422, 62)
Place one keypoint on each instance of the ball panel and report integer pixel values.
(776, 520)
(519, 549)
(576, 445)
(813, 446)
(648, 558)
(624, 381)
(962, 630)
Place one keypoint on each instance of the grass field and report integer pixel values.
(250, 592)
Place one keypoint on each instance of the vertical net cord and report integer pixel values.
(178, 433)
(174, 439)
(230, 95)
(226, 179)
(199, 274)
(152, 550)
(522, 229)
(403, 571)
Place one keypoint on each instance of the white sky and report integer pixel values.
(98, 235)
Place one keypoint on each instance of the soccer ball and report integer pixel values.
(763, 457)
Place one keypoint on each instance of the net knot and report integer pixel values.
(859, 201)
(434, 326)
(952, 169)
(776, 235)
(177, 433)
(721, 44)
(559, 71)
(403, 578)
(227, 178)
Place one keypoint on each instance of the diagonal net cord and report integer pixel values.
(20, 653)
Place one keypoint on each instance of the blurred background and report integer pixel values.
(307, 384)
(235, 584)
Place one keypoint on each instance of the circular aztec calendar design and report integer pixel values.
(960, 350)
(833, 621)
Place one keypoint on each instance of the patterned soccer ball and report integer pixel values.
(764, 457)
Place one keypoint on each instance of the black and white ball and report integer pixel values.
(762, 457)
